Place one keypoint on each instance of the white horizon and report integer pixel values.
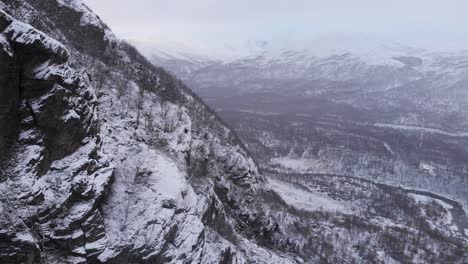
(213, 26)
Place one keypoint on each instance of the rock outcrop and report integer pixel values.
(53, 174)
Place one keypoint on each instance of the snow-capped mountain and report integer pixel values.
(361, 72)
(106, 158)
(350, 105)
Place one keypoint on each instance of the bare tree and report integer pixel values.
(131, 192)
(180, 113)
(164, 114)
(149, 112)
(139, 105)
(148, 118)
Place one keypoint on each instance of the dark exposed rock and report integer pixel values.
(46, 112)
(16, 251)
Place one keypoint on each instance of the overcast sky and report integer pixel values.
(433, 24)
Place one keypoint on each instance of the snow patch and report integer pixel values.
(420, 198)
(25, 237)
(6, 45)
(96, 246)
(32, 153)
(48, 69)
(447, 218)
(71, 114)
(297, 165)
(423, 130)
(428, 168)
(25, 34)
(387, 147)
(308, 200)
(247, 111)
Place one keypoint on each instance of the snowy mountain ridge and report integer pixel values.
(373, 50)
(378, 69)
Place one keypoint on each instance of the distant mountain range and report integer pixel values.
(346, 105)
(393, 79)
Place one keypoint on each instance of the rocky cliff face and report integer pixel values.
(53, 173)
(106, 158)
(128, 177)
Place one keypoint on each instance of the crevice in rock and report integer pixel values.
(31, 111)
(84, 241)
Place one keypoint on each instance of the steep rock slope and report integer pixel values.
(53, 174)
(59, 156)
(108, 159)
